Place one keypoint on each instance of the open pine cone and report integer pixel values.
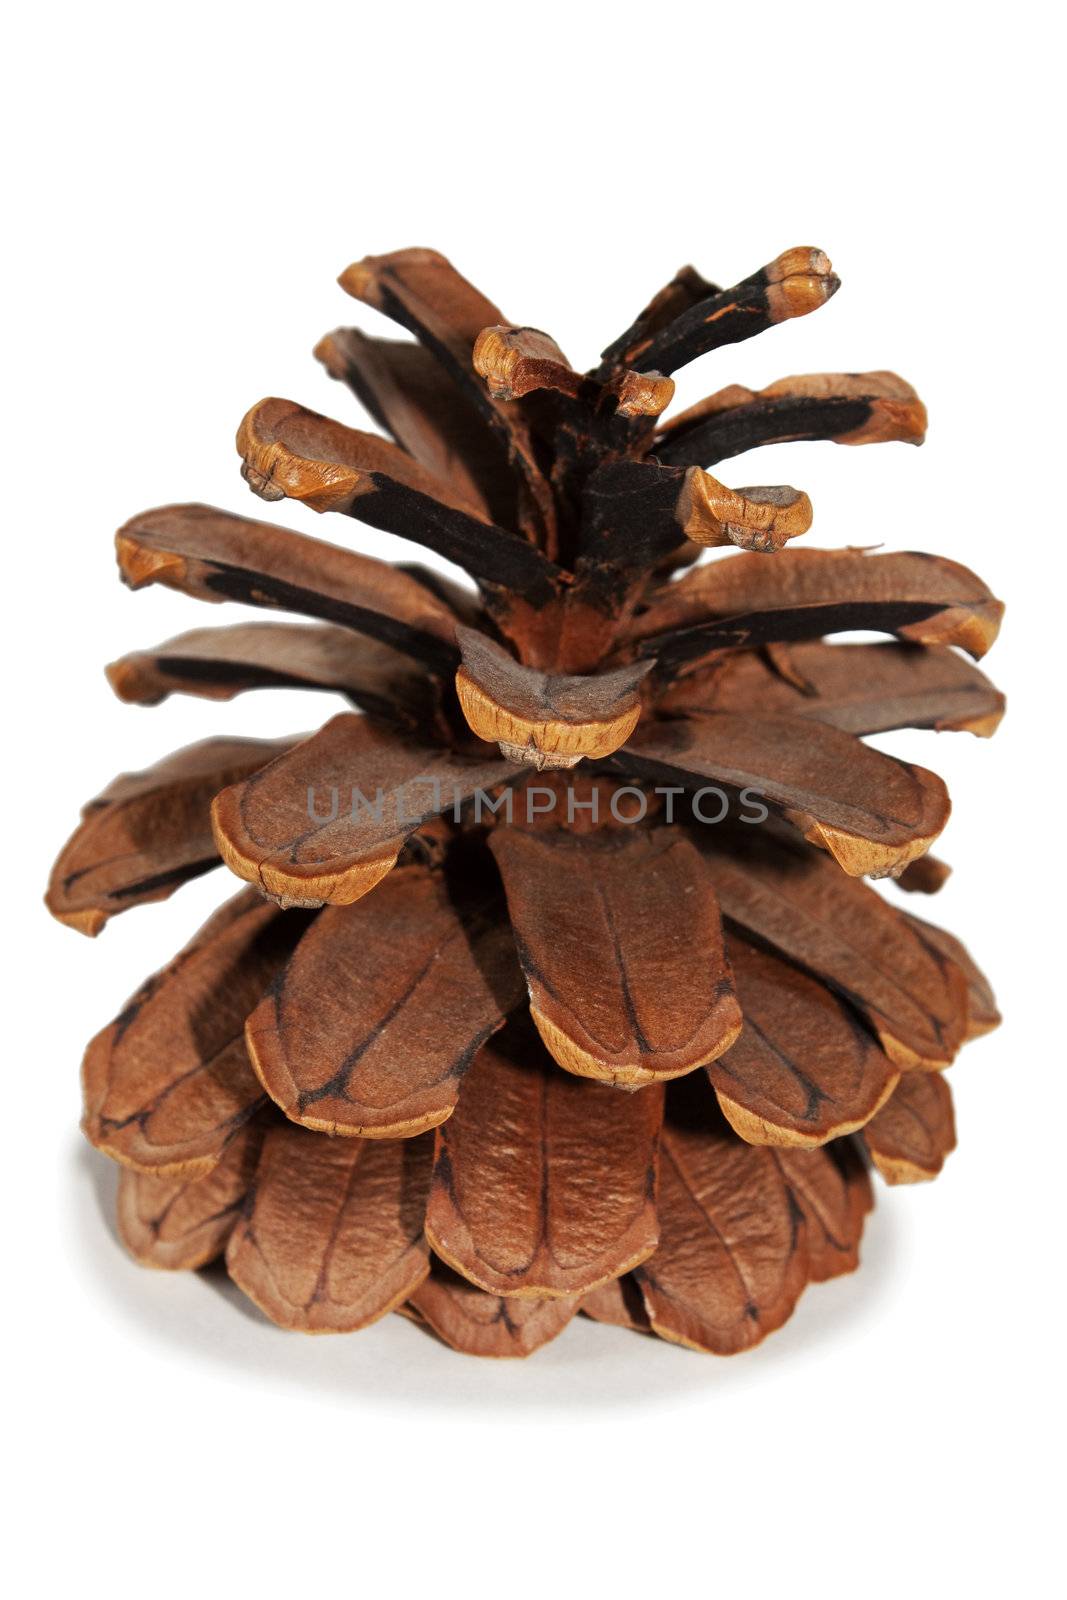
(489, 1044)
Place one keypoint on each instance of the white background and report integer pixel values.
(182, 186)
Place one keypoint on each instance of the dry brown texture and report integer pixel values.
(928, 875)
(406, 391)
(685, 289)
(804, 1069)
(730, 1264)
(570, 635)
(800, 281)
(760, 519)
(542, 719)
(847, 407)
(299, 455)
(543, 1185)
(422, 291)
(847, 935)
(291, 453)
(620, 940)
(923, 598)
(368, 788)
(618, 1303)
(897, 413)
(182, 1223)
(795, 283)
(640, 394)
(168, 1084)
(219, 663)
(914, 1131)
(873, 813)
(372, 1026)
(517, 361)
(571, 507)
(859, 688)
(833, 1191)
(331, 1237)
(742, 1230)
(480, 1324)
(982, 1013)
(637, 514)
(212, 555)
(149, 832)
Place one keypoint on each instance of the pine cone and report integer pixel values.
(490, 1040)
